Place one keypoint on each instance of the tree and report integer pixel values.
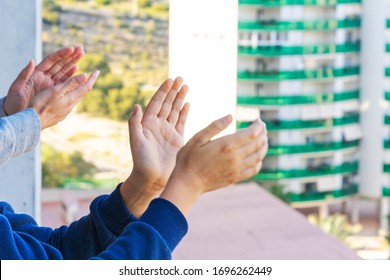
(57, 166)
(94, 61)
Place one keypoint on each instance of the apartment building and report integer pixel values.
(299, 65)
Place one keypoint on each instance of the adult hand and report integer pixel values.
(53, 70)
(155, 138)
(204, 165)
(55, 103)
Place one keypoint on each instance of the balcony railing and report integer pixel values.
(387, 95)
(388, 47)
(387, 120)
(275, 125)
(386, 168)
(386, 191)
(320, 25)
(322, 73)
(323, 170)
(277, 150)
(276, 3)
(298, 50)
(387, 71)
(386, 144)
(347, 191)
(297, 99)
(388, 23)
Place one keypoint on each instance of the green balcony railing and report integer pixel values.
(388, 23)
(388, 47)
(277, 150)
(386, 191)
(305, 197)
(387, 71)
(320, 25)
(386, 168)
(276, 3)
(297, 99)
(386, 144)
(275, 125)
(387, 95)
(387, 120)
(322, 73)
(325, 170)
(298, 50)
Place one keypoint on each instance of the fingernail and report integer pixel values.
(81, 77)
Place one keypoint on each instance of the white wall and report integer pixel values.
(372, 90)
(20, 33)
(203, 50)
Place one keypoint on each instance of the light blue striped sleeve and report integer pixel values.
(19, 134)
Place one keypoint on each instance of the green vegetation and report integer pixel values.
(278, 191)
(387, 237)
(58, 166)
(128, 42)
(50, 12)
(335, 225)
(129, 50)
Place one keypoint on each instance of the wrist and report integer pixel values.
(137, 193)
(182, 191)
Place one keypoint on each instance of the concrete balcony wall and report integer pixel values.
(20, 33)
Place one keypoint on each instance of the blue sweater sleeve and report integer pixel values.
(109, 232)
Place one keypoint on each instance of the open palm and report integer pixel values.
(157, 135)
(54, 69)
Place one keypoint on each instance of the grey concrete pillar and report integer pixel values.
(20, 41)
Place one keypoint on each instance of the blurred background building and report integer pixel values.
(313, 71)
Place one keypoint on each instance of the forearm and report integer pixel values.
(19, 134)
(180, 193)
(137, 194)
(92, 234)
(154, 236)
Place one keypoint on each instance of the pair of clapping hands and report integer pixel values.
(162, 165)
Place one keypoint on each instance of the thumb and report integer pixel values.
(71, 84)
(23, 76)
(135, 126)
(217, 126)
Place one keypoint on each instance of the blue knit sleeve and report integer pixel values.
(109, 232)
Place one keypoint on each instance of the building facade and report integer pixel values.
(298, 66)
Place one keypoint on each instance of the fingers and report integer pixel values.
(213, 129)
(135, 126)
(158, 98)
(181, 123)
(176, 108)
(83, 89)
(71, 84)
(53, 58)
(258, 146)
(249, 134)
(63, 72)
(68, 75)
(170, 98)
(24, 76)
(251, 171)
(60, 67)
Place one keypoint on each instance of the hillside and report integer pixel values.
(128, 42)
